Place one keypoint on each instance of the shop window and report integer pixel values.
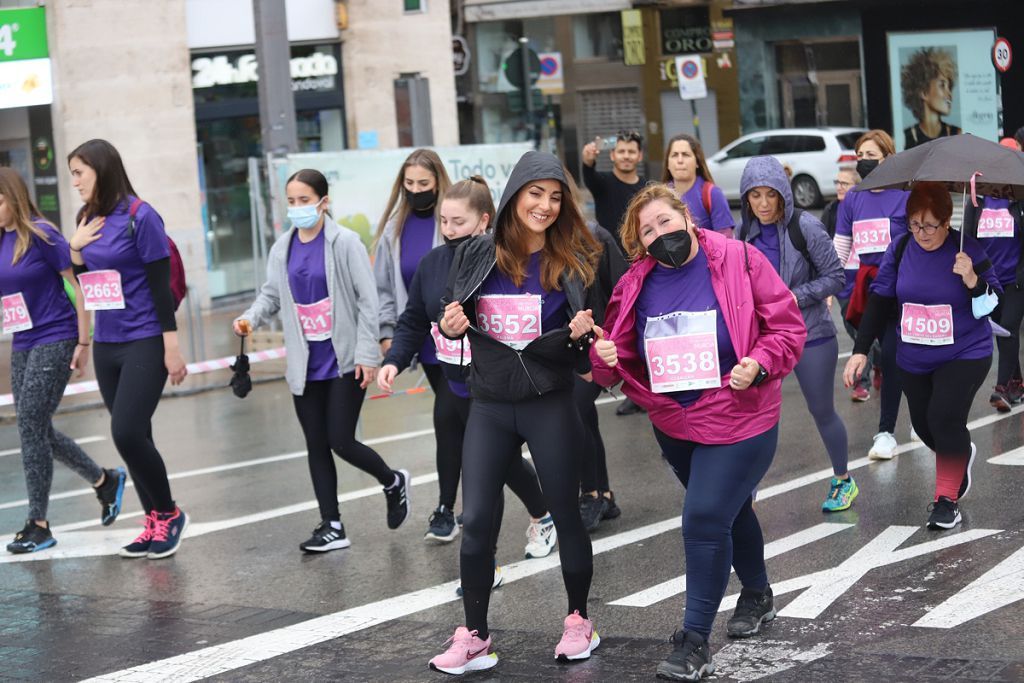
(496, 40)
(597, 36)
(415, 6)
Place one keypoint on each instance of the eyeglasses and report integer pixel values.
(926, 228)
(842, 184)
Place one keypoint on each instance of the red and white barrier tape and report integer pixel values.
(207, 366)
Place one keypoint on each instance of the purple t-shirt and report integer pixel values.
(720, 217)
(307, 278)
(37, 277)
(418, 239)
(858, 206)
(115, 250)
(553, 311)
(687, 288)
(767, 242)
(927, 278)
(1004, 252)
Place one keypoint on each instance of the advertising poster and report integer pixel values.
(942, 83)
(361, 180)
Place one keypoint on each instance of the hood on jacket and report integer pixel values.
(765, 172)
(531, 166)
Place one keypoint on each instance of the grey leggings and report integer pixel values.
(816, 373)
(38, 378)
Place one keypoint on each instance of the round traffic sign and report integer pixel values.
(1002, 55)
(548, 66)
(690, 69)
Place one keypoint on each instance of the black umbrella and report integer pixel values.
(241, 383)
(997, 171)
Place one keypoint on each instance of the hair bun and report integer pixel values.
(477, 179)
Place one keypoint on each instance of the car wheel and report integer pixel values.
(806, 194)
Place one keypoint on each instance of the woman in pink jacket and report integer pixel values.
(701, 331)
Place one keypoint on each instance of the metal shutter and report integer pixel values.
(603, 113)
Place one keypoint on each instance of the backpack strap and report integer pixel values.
(705, 197)
(796, 236)
(133, 210)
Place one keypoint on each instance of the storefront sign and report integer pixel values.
(23, 34)
(963, 97)
(25, 78)
(723, 37)
(690, 73)
(633, 38)
(360, 179)
(685, 31)
(550, 81)
(314, 72)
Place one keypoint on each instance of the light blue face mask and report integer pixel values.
(305, 217)
(984, 304)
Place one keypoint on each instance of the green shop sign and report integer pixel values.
(23, 34)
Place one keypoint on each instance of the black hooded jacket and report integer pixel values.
(499, 372)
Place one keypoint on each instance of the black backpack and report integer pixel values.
(796, 236)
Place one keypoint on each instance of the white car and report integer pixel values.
(812, 153)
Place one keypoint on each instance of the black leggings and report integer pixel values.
(450, 429)
(131, 378)
(940, 401)
(1009, 314)
(550, 426)
(328, 411)
(594, 473)
(892, 386)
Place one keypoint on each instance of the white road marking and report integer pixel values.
(827, 585)
(757, 658)
(73, 543)
(672, 587)
(226, 467)
(81, 442)
(1014, 457)
(998, 587)
(219, 659)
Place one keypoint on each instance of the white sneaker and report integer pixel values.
(498, 579)
(884, 447)
(540, 538)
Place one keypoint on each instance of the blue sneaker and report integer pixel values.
(841, 494)
(167, 530)
(111, 494)
(31, 539)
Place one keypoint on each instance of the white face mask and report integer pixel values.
(305, 217)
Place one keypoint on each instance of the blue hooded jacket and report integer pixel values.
(795, 271)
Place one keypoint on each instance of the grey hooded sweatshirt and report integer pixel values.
(811, 286)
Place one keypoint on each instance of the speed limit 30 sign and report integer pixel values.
(1002, 55)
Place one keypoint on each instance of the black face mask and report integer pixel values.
(866, 166)
(456, 241)
(421, 201)
(672, 248)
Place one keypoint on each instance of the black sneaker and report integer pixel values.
(397, 496)
(690, 659)
(32, 538)
(752, 609)
(1000, 399)
(965, 485)
(325, 538)
(442, 527)
(592, 510)
(111, 494)
(611, 510)
(945, 514)
(627, 407)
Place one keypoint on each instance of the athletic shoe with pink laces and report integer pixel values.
(140, 546)
(167, 530)
(467, 653)
(579, 639)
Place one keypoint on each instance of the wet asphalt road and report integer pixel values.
(864, 595)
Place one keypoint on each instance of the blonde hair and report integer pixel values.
(476, 193)
(23, 210)
(397, 208)
(629, 233)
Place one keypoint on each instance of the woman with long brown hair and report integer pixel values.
(523, 298)
(47, 347)
(686, 172)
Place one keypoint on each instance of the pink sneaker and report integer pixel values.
(579, 639)
(467, 653)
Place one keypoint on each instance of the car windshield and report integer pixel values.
(848, 140)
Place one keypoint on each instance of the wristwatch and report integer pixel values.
(762, 375)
